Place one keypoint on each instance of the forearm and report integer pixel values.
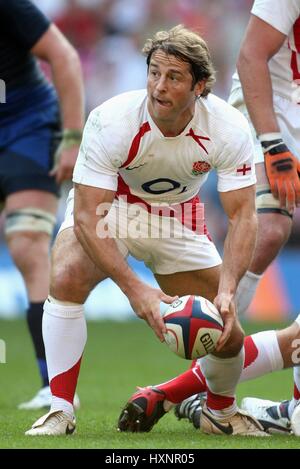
(257, 89)
(238, 250)
(67, 75)
(106, 256)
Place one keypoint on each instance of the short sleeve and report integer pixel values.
(94, 166)
(235, 164)
(24, 21)
(281, 14)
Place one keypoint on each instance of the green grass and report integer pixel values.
(118, 357)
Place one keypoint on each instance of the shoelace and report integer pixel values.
(190, 406)
(55, 419)
(249, 423)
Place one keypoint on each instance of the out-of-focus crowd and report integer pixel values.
(109, 35)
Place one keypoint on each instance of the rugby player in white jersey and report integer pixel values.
(142, 151)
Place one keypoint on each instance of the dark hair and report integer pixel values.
(187, 46)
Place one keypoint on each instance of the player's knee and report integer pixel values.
(276, 235)
(29, 219)
(234, 344)
(29, 251)
(68, 281)
(275, 222)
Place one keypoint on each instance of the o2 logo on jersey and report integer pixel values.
(200, 167)
(162, 185)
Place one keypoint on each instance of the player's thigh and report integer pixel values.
(73, 274)
(202, 282)
(289, 342)
(42, 200)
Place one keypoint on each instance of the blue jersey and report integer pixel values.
(30, 129)
(21, 26)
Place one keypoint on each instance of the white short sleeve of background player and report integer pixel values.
(235, 164)
(281, 14)
(94, 167)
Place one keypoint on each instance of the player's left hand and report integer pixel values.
(66, 155)
(224, 302)
(65, 162)
(282, 172)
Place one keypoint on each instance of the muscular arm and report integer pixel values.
(103, 251)
(54, 48)
(261, 42)
(239, 206)
(91, 206)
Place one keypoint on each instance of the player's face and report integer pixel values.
(171, 99)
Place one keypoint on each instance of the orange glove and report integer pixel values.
(282, 170)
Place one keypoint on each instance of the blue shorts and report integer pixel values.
(30, 133)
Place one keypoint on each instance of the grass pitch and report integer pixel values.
(118, 357)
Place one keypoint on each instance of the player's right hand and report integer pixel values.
(145, 302)
(282, 171)
(224, 302)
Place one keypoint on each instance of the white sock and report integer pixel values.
(64, 334)
(246, 291)
(61, 404)
(262, 355)
(222, 376)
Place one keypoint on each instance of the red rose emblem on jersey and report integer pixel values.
(200, 167)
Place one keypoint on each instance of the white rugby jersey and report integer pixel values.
(123, 150)
(284, 66)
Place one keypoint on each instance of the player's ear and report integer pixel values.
(199, 88)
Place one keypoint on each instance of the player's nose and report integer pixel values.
(161, 85)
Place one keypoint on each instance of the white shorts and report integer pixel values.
(164, 244)
(288, 117)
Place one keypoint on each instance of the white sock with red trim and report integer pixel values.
(64, 334)
(262, 355)
(246, 291)
(222, 376)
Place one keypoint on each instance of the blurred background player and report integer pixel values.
(40, 132)
(266, 89)
(143, 150)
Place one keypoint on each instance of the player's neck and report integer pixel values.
(173, 127)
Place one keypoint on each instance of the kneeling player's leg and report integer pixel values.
(222, 372)
(289, 343)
